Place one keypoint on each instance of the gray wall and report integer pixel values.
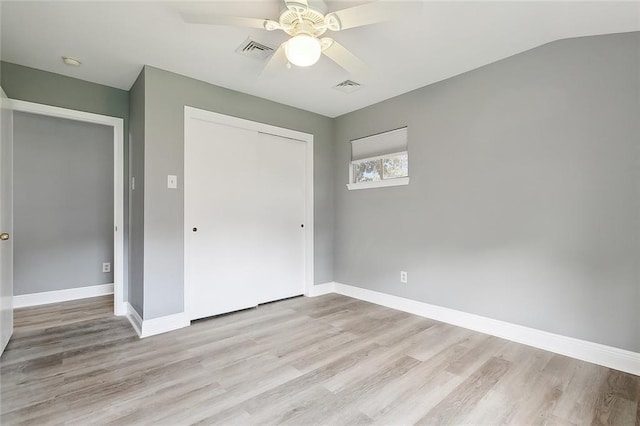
(33, 85)
(524, 198)
(29, 84)
(136, 196)
(166, 95)
(63, 203)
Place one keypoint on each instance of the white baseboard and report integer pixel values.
(608, 356)
(320, 289)
(146, 328)
(134, 318)
(44, 298)
(163, 324)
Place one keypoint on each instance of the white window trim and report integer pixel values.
(378, 183)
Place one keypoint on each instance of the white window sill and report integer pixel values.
(378, 184)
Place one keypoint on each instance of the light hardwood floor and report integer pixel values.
(327, 360)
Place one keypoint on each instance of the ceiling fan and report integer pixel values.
(306, 21)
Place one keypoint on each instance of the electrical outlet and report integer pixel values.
(403, 277)
(106, 267)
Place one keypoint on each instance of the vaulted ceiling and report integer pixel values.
(115, 39)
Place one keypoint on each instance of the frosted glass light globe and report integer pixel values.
(303, 50)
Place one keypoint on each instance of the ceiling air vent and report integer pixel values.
(347, 86)
(253, 49)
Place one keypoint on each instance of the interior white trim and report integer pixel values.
(147, 328)
(134, 318)
(378, 184)
(321, 289)
(608, 356)
(119, 306)
(164, 324)
(191, 113)
(35, 299)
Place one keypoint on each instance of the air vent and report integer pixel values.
(348, 86)
(253, 49)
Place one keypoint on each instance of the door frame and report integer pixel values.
(6, 170)
(119, 306)
(192, 113)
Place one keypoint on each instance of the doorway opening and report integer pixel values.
(109, 183)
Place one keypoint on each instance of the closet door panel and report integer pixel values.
(220, 198)
(281, 177)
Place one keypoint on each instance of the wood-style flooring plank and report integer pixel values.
(457, 404)
(329, 360)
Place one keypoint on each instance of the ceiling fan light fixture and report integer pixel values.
(303, 50)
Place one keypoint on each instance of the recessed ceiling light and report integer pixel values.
(71, 61)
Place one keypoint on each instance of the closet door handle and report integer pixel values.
(4, 236)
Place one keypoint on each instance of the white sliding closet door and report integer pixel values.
(220, 190)
(281, 173)
(245, 196)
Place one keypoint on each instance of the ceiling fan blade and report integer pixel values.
(341, 56)
(277, 61)
(371, 13)
(197, 18)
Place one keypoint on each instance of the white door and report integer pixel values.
(244, 209)
(6, 223)
(220, 210)
(281, 173)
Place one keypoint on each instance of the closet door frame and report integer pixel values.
(191, 113)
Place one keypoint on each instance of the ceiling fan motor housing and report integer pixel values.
(302, 21)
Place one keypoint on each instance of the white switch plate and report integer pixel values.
(403, 277)
(106, 267)
(172, 181)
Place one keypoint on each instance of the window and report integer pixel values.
(381, 168)
(379, 160)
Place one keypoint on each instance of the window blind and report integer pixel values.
(380, 144)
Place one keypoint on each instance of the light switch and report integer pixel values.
(172, 181)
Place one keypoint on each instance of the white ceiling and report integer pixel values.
(114, 39)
